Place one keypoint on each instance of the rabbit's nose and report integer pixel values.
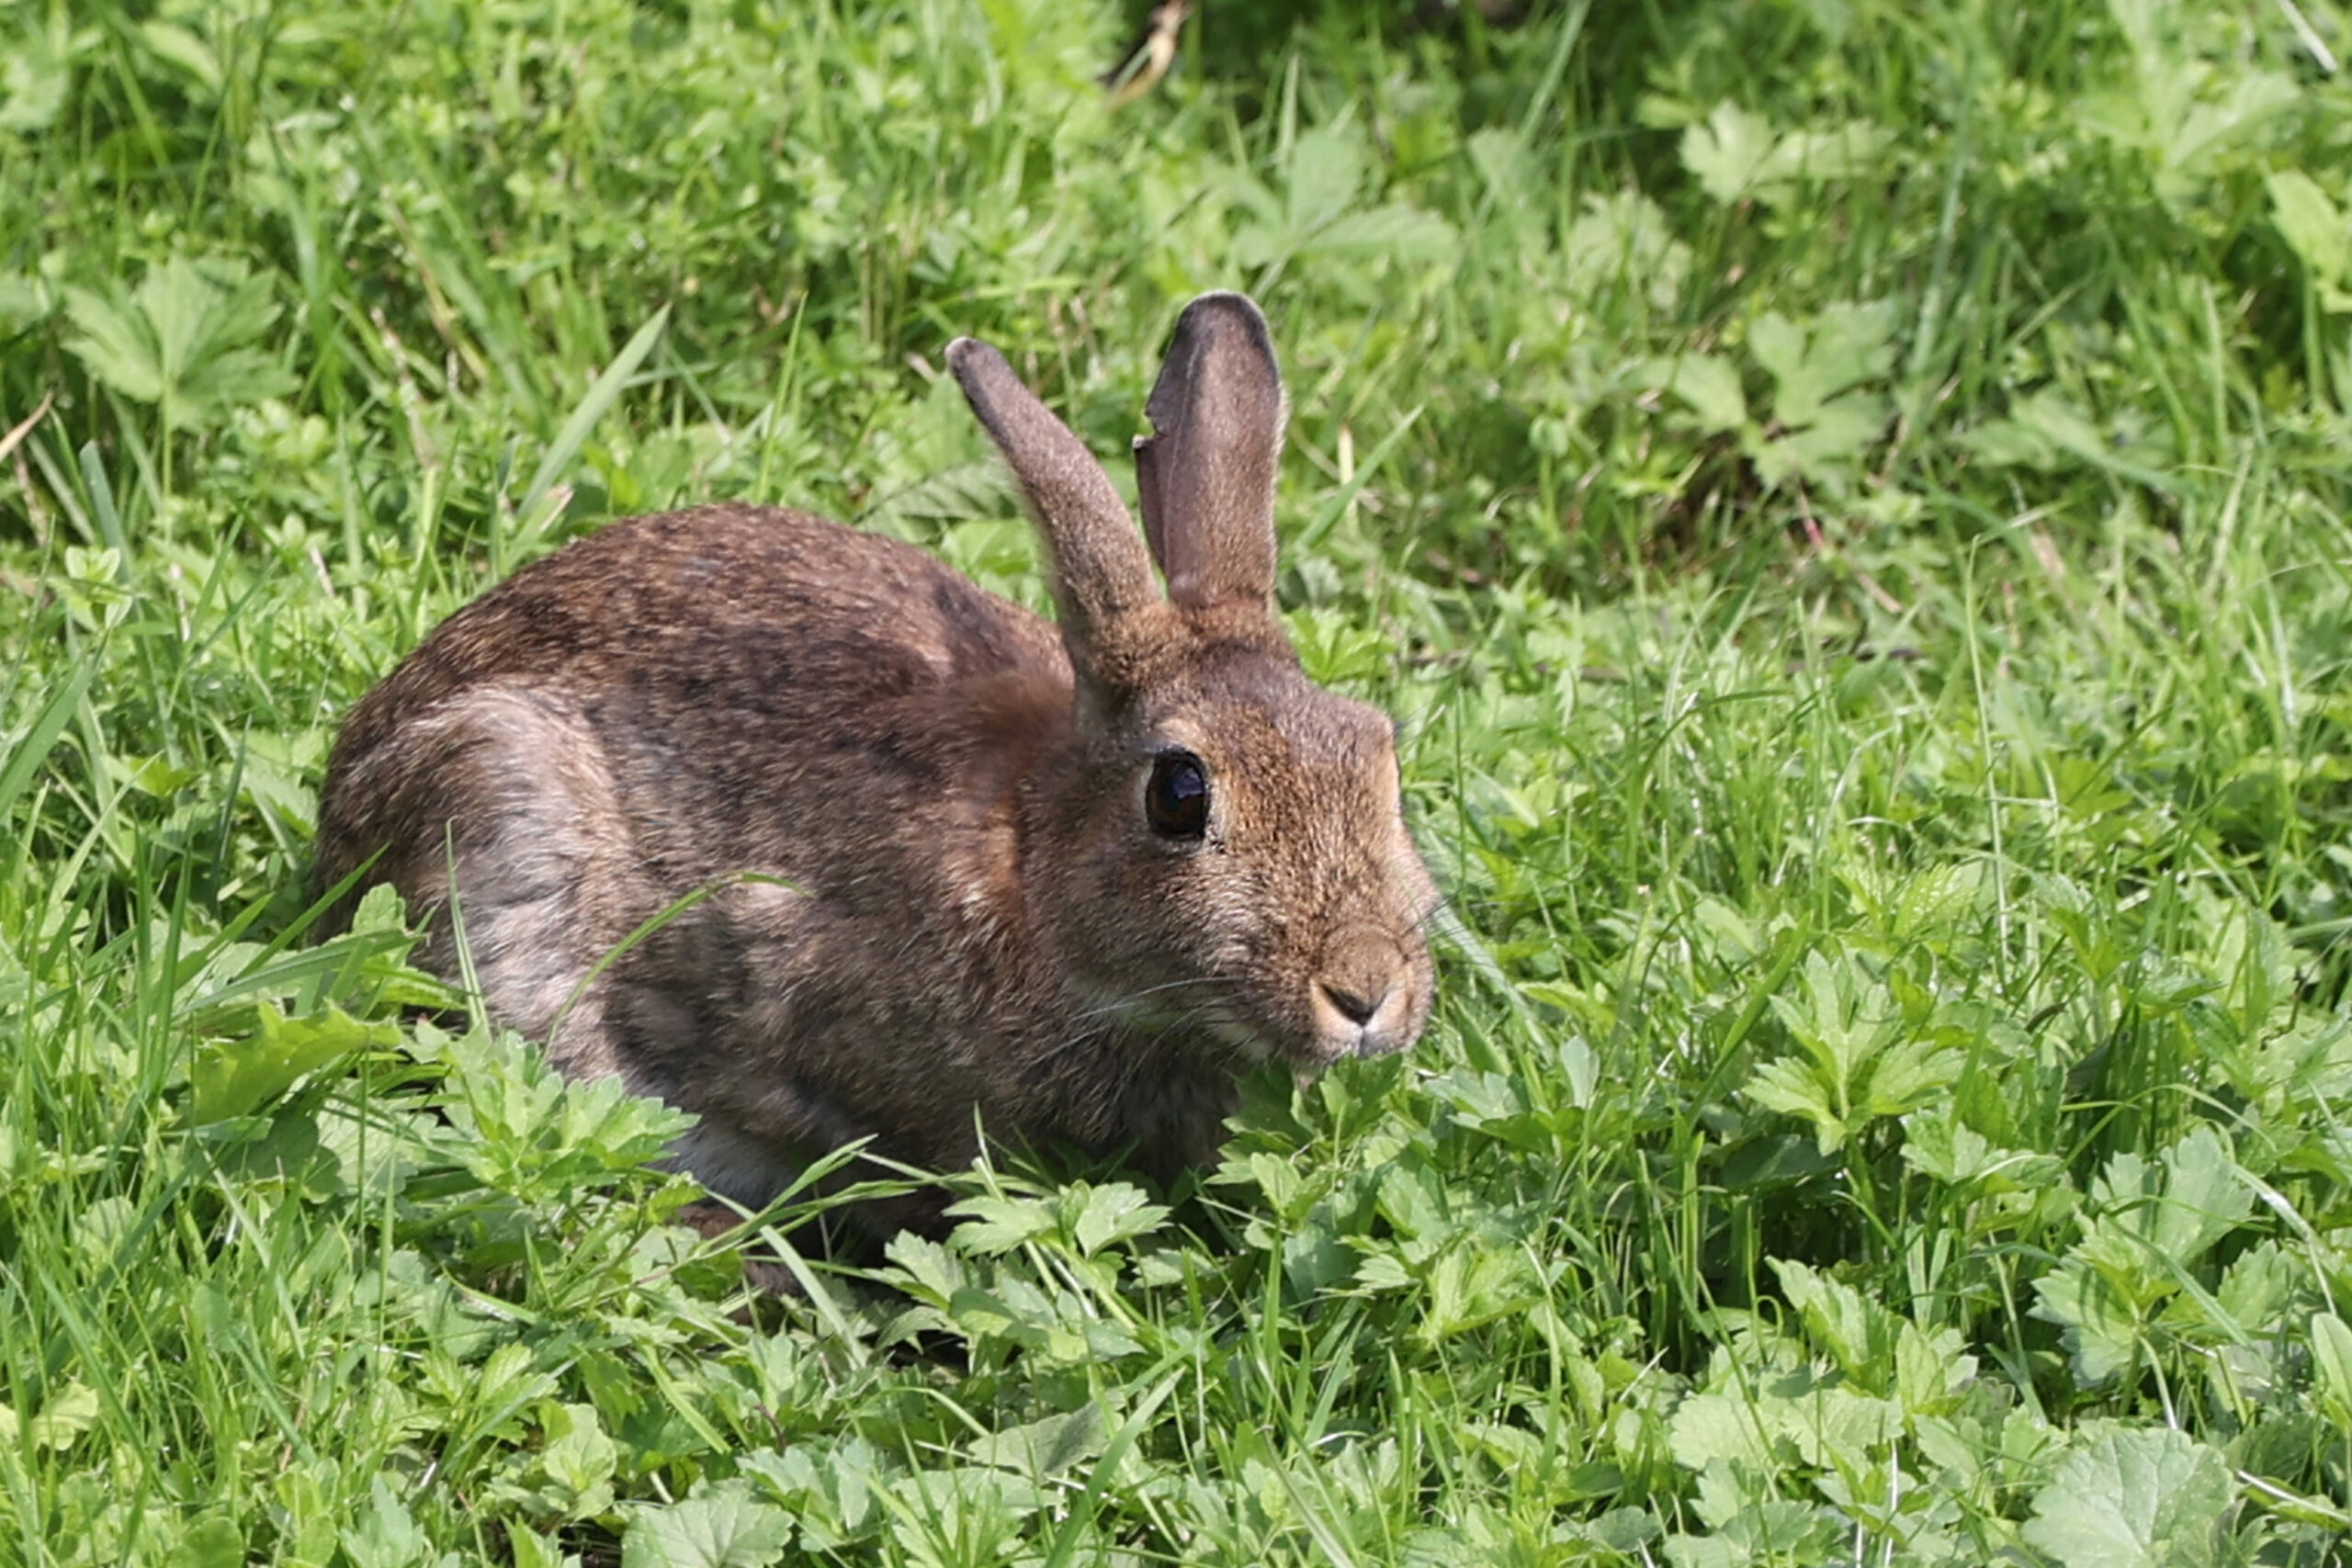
(1361, 984)
(1355, 1004)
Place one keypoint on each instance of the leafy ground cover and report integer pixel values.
(1848, 498)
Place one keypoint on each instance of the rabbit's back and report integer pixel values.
(750, 617)
(723, 657)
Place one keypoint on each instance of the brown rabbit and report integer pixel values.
(1070, 876)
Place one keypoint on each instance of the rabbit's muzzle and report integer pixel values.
(1369, 995)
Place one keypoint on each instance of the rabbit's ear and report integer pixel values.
(1102, 579)
(1207, 476)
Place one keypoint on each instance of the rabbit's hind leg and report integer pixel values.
(513, 809)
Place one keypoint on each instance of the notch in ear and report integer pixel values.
(1207, 475)
(1103, 581)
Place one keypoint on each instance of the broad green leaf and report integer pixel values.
(1000, 1225)
(1720, 1426)
(2331, 1363)
(2315, 229)
(1707, 382)
(33, 85)
(2206, 1196)
(1624, 240)
(1834, 1424)
(170, 42)
(71, 1411)
(385, 1534)
(1504, 167)
(1794, 1087)
(579, 1457)
(236, 1077)
(1392, 232)
(1114, 1212)
(1325, 171)
(1736, 154)
(1725, 152)
(182, 340)
(1737, 940)
(2102, 1329)
(1860, 1334)
(113, 345)
(1844, 345)
(1047, 1446)
(719, 1527)
(2145, 1498)
(1938, 1143)
(1931, 1375)
(211, 1542)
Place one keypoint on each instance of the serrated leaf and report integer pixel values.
(1707, 382)
(1625, 239)
(1835, 1424)
(1392, 231)
(1793, 1088)
(929, 1268)
(2102, 1331)
(2206, 1197)
(1000, 1225)
(579, 1457)
(1737, 939)
(2009, 444)
(1909, 1073)
(70, 1412)
(111, 343)
(1931, 1372)
(720, 1526)
(183, 340)
(2151, 1497)
(1844, 345)
(1504, 167)
(1858, 1335)
(1837, 153)
(1325, 170)
(1114, 1212)
(1736, 154)
(1719, 1426)
(385, 1535)
(236, 1077)
(1045, 1448)
(1724, 152)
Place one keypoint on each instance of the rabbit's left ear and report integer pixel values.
(1109, 606)
(1206, 477)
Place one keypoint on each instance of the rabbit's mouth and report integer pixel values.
(1336, 1022)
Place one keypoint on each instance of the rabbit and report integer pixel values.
(956, 858)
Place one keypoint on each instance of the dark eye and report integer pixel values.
(1176, 801)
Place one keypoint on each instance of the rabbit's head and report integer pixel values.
(1228, 854)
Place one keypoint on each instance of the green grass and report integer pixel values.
(1849, 500)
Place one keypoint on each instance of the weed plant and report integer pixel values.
(1848, 498)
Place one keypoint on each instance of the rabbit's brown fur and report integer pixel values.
(956, 895)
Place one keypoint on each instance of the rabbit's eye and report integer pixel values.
(1177, 799)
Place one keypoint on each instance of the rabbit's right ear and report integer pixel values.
(1103, 584)
(1207, 474)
